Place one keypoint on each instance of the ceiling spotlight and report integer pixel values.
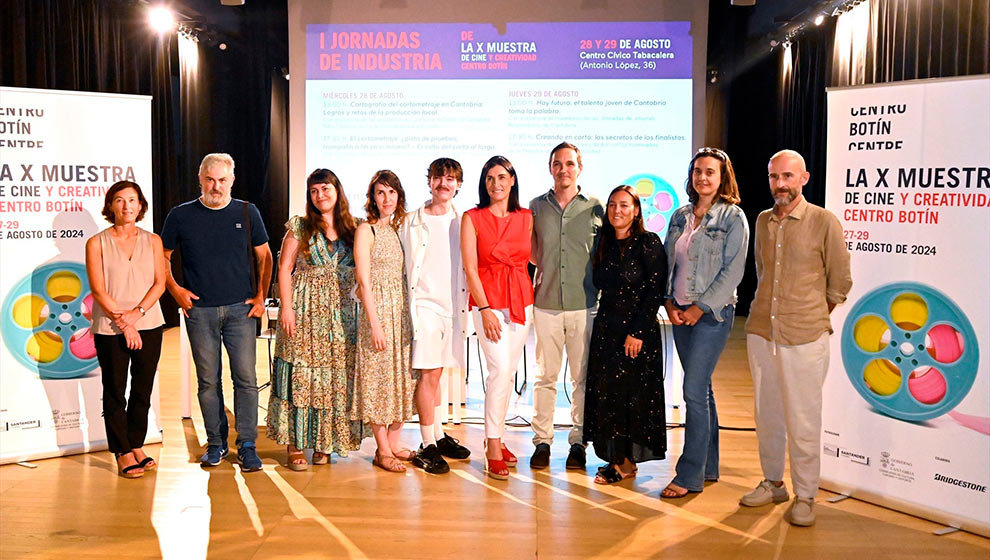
(222, 46)
(161, 19)
(819, 19)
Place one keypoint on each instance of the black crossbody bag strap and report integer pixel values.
(251, 259)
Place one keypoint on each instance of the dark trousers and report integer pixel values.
(127, 419)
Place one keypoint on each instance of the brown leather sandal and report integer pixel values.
(293, 458)
(405, 455)
(388, 463)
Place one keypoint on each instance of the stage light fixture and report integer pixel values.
(222, 46)
(161, 18)
(819, 19)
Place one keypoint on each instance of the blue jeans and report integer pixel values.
(208, 328)
(699, 348)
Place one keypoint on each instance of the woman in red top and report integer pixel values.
(495, 245)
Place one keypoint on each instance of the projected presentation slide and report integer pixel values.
(399, 96)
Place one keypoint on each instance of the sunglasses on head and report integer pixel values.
(715, 152)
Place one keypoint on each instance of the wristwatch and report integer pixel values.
(143, 312)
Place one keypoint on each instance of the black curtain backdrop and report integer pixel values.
(222, 103)
(770, 105)
(278, 165)
(95, 46)
(911, 39)
(801, 117)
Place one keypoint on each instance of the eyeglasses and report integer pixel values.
(714, 152)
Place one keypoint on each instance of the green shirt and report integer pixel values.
(564, 241)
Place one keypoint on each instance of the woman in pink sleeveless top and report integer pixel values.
(495, 247)
(126, 273)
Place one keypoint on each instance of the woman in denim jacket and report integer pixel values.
(706, 248)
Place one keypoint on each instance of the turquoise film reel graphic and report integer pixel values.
(658, 200)
(910, 351)
(46, 319)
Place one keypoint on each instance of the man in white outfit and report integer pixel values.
(565, 231)
(802, 270)
(438, 306)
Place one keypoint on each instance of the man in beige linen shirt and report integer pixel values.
(802, 269)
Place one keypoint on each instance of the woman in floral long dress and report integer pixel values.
(313, 380)
(383, 395)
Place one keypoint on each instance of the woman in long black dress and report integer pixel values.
(624, 406)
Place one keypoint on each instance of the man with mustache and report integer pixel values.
(226, 268)
(802, 269)
(431, 241)
(565, 234)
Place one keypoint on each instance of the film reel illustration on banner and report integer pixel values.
(46, 320)
(910, 351)
(658, 200)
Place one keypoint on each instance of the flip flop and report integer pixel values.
(672, 494)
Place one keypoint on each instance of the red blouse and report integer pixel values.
(503, 255)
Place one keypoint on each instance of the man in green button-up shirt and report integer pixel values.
(565, 234)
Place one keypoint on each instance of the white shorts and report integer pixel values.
(434, 344)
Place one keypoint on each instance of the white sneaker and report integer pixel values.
(801, 512)
(765, 493)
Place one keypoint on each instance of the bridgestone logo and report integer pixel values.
(961, 483)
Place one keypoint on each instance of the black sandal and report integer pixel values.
(610, 474)
(128, 472)
(146, 461)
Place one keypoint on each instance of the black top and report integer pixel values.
(632, 278)
(215, 249)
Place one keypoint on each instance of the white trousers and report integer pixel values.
(787, 386)
(555, 332)
(502, 360)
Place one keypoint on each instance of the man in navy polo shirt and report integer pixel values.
(226, 268)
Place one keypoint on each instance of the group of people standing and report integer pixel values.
(345, 371)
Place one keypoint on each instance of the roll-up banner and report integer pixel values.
(59, 153)
(906, 419)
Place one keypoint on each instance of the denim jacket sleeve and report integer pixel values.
(720, 291)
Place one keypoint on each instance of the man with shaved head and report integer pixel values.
(802, 269)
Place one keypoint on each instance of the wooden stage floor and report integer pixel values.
(75, 507)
